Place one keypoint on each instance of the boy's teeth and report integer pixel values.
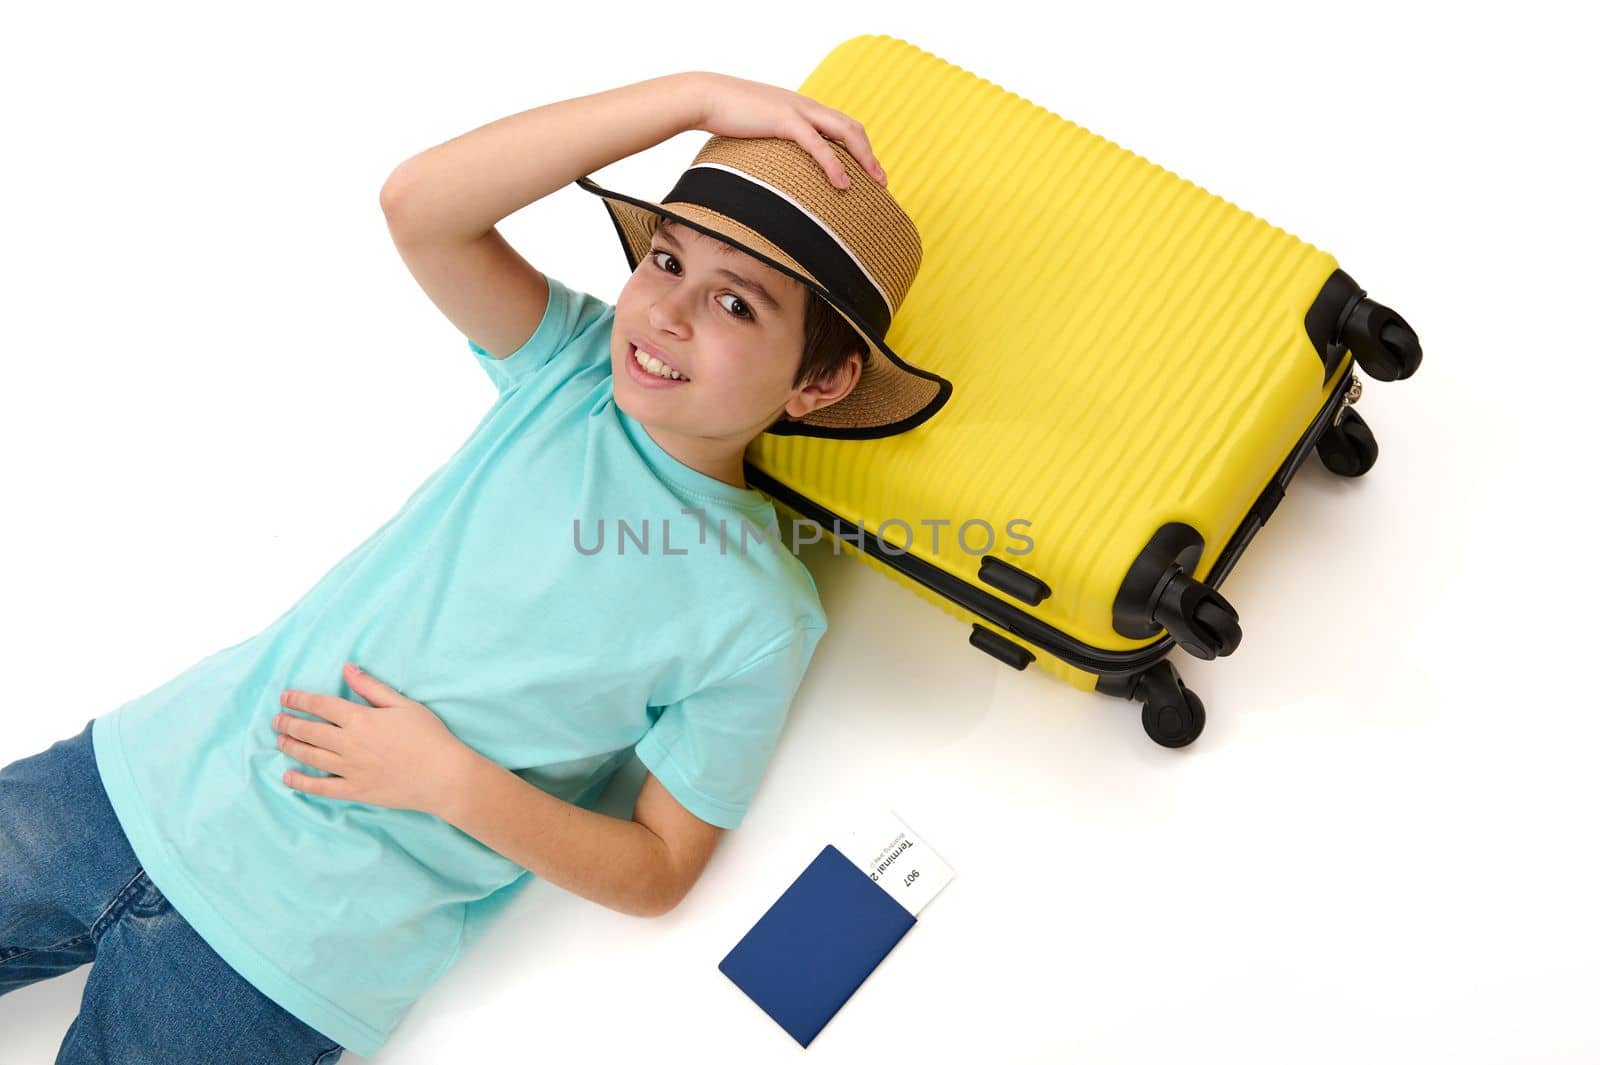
(656, 366)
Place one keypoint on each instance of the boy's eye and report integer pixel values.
(740, 302)
(746, 316)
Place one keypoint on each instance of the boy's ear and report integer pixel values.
(844, 377)
(830, 388)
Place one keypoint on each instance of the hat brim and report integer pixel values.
(892, 395)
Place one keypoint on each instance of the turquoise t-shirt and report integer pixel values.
(485, 599)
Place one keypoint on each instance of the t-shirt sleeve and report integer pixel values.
(568, 315)
(711, 749)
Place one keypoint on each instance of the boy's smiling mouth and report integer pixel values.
(652, 369)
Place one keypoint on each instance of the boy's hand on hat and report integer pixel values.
(736, 107)
(395, 752)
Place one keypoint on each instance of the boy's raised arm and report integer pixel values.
(443, 203)
(459, 189)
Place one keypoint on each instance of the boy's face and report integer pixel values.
(738, 351)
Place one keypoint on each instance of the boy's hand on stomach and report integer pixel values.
(395, 752)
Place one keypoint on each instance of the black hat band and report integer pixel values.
(791, 228)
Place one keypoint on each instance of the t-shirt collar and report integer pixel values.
(671, 468)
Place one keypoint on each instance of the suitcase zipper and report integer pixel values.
(1351, 394)
(1000, 613)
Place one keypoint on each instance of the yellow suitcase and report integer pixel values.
(1138, 368)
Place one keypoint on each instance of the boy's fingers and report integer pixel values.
(329, 707)
(808, 137)
(369, 686)
(307, 753)
(315, 733)
(334, 787)
(853, 135)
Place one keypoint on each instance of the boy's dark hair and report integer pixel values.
(829, 340)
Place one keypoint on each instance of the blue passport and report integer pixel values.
(809, 952)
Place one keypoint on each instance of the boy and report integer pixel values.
(330, 838)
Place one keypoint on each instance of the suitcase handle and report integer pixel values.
(1018, 584)
(1012, 654)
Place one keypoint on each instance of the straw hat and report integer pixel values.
(855, 247)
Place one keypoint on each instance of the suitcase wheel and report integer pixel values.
(1204, 624)
(1386, 347)
(1348, 447)
(1159, 593)
(1175, 725)
(1173, 715)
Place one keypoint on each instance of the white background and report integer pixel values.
(218, 377)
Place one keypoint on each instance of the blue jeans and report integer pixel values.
(73, 892)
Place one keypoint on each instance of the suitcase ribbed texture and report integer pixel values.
(1126, 348)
